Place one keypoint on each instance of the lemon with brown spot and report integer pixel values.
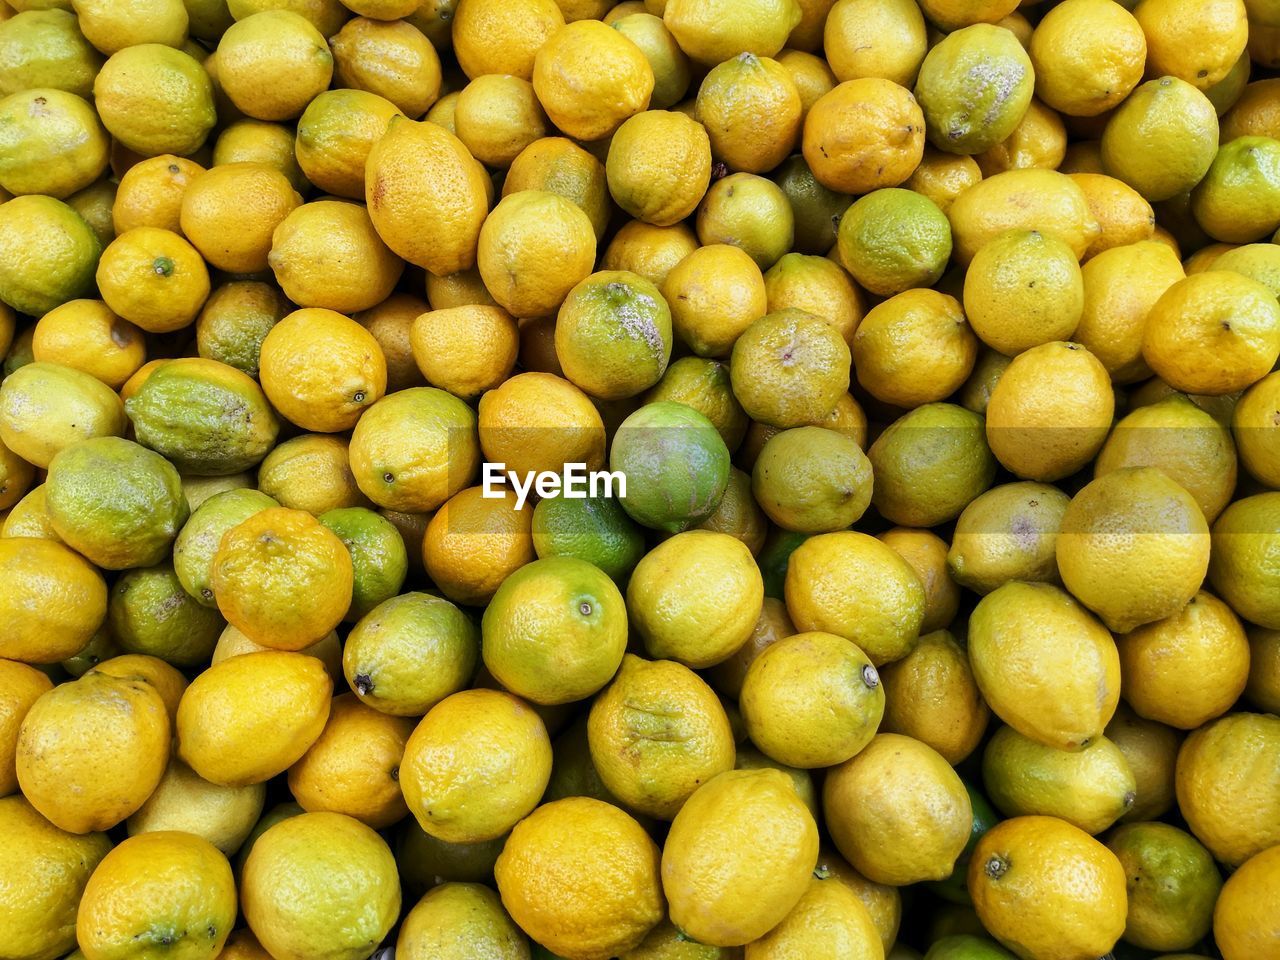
(789, 368)
(1172, 885)
(168, 680)
(1047, 890)
(1043, 200)
(656, 734)
(386, 651)
(53, 143)
(475, 766)
(46, 407)
(91, 751)
(430, 454)
(87, 335)
(865, 134)
(251, 717)
(875, 38)
(1195, 42)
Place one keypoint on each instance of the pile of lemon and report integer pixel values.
(921, 356)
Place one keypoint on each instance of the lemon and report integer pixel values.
(48, 254)
(389, 58)
(974, 87)
(555, 631)
(39, 919)
(657, 733)
(897, 811)
(894, 239)
(1158, 114)
(1089, 788)
(476, 765)
(185, 803)
(811, 700)
(1048, 889)
(695, 598)
(230, 735)
(1134, 547)
(828, 917)
(329, 855)
(52, 142)
(91, 751)
(1016, 663)
(386, 651)
(1032, 199)
(812, 480)
(1243, 562)
(150, 613)
(1241, 925)
(713, 32)
(651, 184)
(455, 917)
(45, 48)
(932, 696)
(1008, 533)
(1172, 884)
(726, 883)
(582, 876)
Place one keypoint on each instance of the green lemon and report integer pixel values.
(206, 417)
(1161, 139)
(201, 535)
(594, 529)
(1239, 198)
(893, 239)
(774, 558)
(815, 209)
(150, 612)
(48, 254)
(749, 212)
(555, 631)
(929, 464)
(410, 652)
(1173, 884)
(378, 556)
(812, 480)
(119, 504)
(966, 946)
(675, 463)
